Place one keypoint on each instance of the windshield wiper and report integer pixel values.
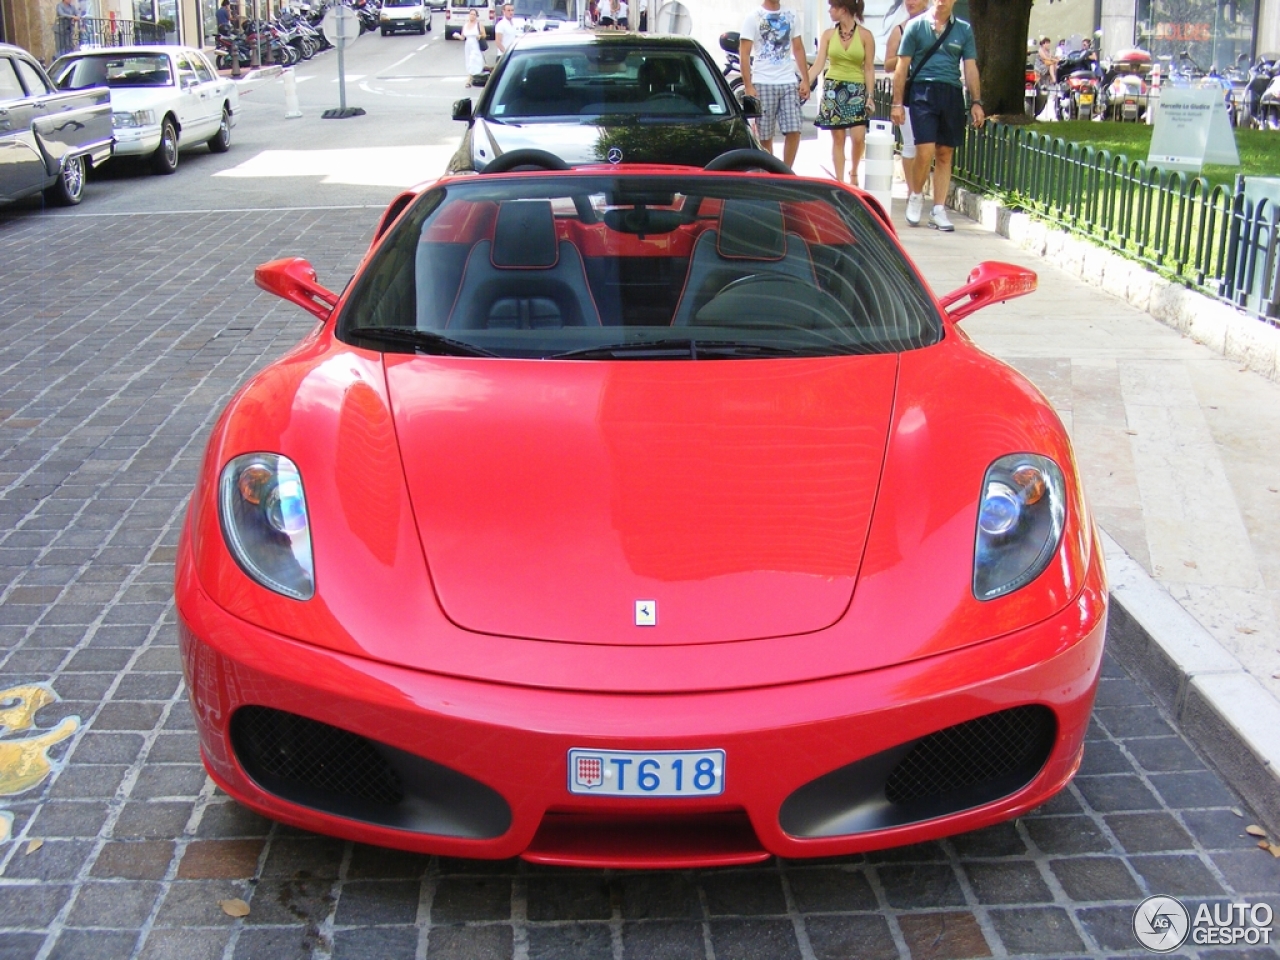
(682, 348)
(420, 341)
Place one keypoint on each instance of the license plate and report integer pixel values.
(663, 773)
(1086, 98)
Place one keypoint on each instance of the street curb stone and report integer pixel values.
(1218, 705)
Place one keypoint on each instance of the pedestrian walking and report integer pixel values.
(936, 61)
(472, 55)
(506, 32)
(850, 49)
(771, 53)
(913, 8)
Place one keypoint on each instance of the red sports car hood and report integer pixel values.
(575, 501)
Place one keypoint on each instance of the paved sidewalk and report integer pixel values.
(1180, 450)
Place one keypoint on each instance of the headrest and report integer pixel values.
(545, 81)
(525, 235)
(751, 230)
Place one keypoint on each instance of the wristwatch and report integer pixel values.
(976, 103)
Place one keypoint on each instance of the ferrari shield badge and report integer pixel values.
(646, 613)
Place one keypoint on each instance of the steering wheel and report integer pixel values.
(747, 159)
(812, 309)
(525, 160)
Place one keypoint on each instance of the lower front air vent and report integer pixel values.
(957, 768)
(331, 770)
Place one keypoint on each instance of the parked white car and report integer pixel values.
(164, 99)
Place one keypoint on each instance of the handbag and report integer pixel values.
(918, 65)
(484, 44)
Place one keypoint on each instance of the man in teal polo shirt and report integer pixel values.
(936, 101)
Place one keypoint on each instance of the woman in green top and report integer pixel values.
(851, 50)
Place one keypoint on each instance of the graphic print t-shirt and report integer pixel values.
(770, 33)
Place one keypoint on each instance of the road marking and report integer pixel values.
(397, 167)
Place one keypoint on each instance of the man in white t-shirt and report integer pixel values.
(620, 14)
(506, 32)
(771, 53)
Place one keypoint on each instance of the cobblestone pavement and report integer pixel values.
(122, 337)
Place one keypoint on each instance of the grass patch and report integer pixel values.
(1259, 149)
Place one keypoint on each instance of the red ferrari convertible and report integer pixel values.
(639, 517)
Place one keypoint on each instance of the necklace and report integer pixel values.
(845, 35)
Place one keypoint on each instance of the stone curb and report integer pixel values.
(1218, 705)
(1246, 340)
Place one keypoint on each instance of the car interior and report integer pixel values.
(528, 275)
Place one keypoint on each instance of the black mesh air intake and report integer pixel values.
(983, 750)
(274, 745)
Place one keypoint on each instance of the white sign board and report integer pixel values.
(1192, 129)
(341, 26)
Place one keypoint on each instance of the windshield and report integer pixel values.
(661, 267)
(138, 70)
(551, 9)
(606, 80)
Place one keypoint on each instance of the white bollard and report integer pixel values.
(291, 109)
(878, 170)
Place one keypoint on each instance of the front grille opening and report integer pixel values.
(335, 771)
(983, 750)
(957, 768)
(288, 747)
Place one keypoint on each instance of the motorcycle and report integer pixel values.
(1126, 85)
(732, 66)
(1079, 85)
(1262, 77)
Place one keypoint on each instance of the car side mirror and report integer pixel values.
(989, 282)
(751, 107)
(462, 110)
(294, 279)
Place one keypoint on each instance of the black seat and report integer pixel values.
(543, 93)
(524, 278)
(750, 241)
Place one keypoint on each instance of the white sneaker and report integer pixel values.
(915, 206)
(938, 219)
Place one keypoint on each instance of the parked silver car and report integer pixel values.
(48, 138)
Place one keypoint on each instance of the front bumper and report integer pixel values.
(472, 742)
(137, 141)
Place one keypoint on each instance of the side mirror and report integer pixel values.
(751, 108)
(462, 110)
(989, 282)
(294, 279)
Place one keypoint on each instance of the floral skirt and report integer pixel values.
(844, 104)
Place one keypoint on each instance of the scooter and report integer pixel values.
(1079, 85)
(732, 65)
(1262, 76)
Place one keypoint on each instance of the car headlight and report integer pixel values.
(1020, 521)
(385, 15)
(136, 118)
(264, 522)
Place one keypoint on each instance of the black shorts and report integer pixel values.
(937, 113)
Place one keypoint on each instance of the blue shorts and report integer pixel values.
(937, 113)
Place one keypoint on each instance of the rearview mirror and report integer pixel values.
(462, 110)
(294, 280)
(751, 107)
(989, 282)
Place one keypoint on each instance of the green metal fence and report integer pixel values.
(1207, 237)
